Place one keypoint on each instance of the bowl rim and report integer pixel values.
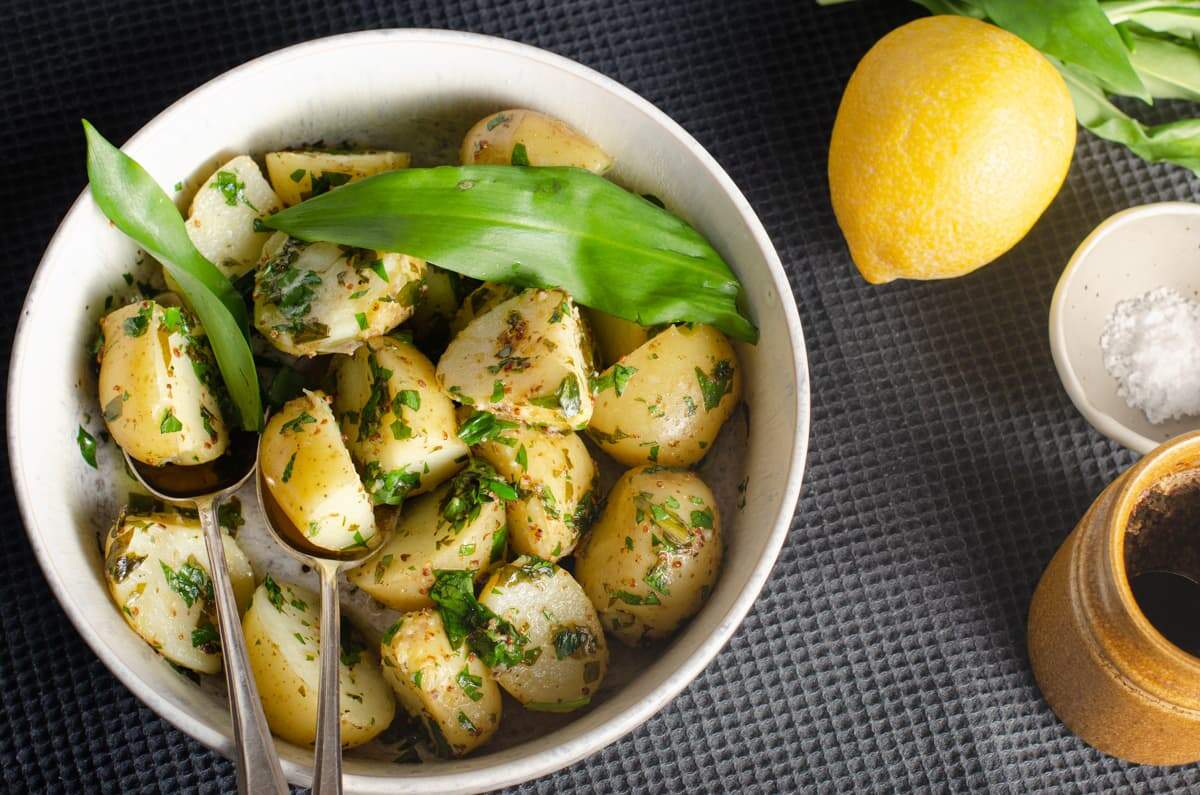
(522, 768)
(1101, 420)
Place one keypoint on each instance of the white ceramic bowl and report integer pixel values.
(1129, 254)
(405, 89)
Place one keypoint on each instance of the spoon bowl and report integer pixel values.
(328, 563)
(203, 487)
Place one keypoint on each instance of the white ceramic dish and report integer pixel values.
(404, 89)
(1129, 254)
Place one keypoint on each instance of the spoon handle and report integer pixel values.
(327, 773)
(257, 761)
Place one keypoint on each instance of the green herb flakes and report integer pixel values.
(170, 423)
(470, 684)
(519, 156)
(190, 582)
(298, 422)
(87, 446)
(716, 386)
(274, 594)
(287, 470)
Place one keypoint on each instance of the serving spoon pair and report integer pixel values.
(204, 487)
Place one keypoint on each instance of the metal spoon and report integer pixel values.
(203, 487)
(327, 770)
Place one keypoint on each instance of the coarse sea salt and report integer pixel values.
(1151, 346)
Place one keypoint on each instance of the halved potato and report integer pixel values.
(312, 298)
(665, 403)
(615, 337)
(544, 603)
(158, 386)
(556, 479)
(653, 556)
(283, 639)
(479, 301)
(399, 424)
(309, 473)
(450, 528)
(449, 690)
(157, 570)
(524, 359)
(527, 138)
(298, 175)
(222, 219)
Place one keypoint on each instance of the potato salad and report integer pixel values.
(465, 430)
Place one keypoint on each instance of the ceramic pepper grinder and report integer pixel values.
(1107, 672)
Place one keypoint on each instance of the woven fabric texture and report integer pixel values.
(887, 651)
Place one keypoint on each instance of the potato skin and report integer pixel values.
(544, 603)
(222, 215)
(653, 556)
(557, 481)
(292, 173)
(547, 141)
(154, 403)
(424, 542)
(384, 431)
(308, 470)
(283, 639)
(523, 359)
(615, 337)
(346, 298)
(665, 402)
(449, 690)
(136, 550)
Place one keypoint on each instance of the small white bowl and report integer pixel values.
(401, 88)
(1129, 254)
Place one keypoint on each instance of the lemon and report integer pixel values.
(952, 137)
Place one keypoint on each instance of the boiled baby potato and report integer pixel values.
(283, 640)
(399, 424)
(480, 300)
(665, 403)
(523, 359)
(556, 480)
(458, 526)
(156, 565)
(546, 605)
(297, 176)
(449, 690)
(222, 221)
(528, 138)
(653, 555)
(435, 309)
(312, 298)
(310, 474)
(615, 336)
(159, 386)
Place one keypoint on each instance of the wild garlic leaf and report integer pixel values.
(1076, 32)
(136, 204)
(535, 227)
(1176, 142)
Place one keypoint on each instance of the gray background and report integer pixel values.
(887, 651)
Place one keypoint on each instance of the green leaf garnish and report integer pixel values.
(135, 203)
(494, 640)
(535, 227)
(87, 446)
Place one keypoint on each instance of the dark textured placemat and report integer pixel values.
(887, 651)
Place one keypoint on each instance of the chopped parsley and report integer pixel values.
(715, 386)
(229, 515)
(658, 579)
(287, 470)
(206, 639)
(574, 641)
(632, 598)
(617, 377)
(170, 423)
(381, 567)
(298, 175)
(232, 189)
(274, 593)
(465, 723)
(361, 319)
(378, 401)
(137, 325)
(190, 581)
(391, 487)
(483, 427)
(470, 684)
(87, 446)
(566, 398)
(495, 641)
(298, 422)
(497, 120)
(499, 542)
(703, 519)
(470, 490)
(497, 391)
(523, 459)
(519, 156)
